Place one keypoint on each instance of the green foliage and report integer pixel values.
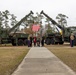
(13, 20)
(5, 18)
(49, 31)
(62, 19)
(4, 33)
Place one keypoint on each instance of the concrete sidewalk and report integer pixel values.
(40, 61)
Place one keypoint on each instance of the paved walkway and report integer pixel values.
(40, 61)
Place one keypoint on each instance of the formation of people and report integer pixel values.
(36, 41)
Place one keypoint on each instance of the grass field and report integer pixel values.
(10, 58)
(65, 53)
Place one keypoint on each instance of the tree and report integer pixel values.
(39, 18)
(49, 30)
(13, 20)
(62, 19)
(28, 31)
(6, 18)
(1, 20)
(49, 27)
(1, 26)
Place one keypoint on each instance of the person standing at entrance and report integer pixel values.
(31, 41)
(38, 42)
(34, 40)
(72, 40)
(42, 41)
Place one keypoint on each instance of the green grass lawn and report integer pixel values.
(10, 58)
(65, 53)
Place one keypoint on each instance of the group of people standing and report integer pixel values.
(40, 41)
(36, 40)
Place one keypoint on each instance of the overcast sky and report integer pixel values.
(20, 8)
